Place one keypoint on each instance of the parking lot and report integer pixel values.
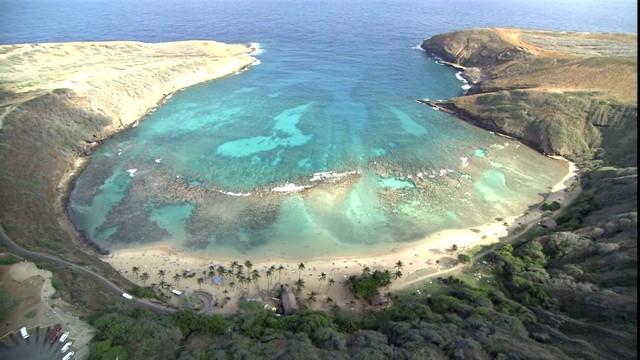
(35, 347)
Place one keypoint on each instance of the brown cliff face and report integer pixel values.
(475, 48)
(545, 60)
(571, 94)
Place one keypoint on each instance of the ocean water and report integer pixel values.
(321, 148)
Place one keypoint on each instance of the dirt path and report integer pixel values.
(530, 220)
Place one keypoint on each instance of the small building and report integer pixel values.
(548, 223)
(288, 300)
(176, 292)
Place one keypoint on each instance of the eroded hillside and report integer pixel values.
(57, 101)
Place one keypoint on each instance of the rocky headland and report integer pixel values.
(562, 93)
(573, 95)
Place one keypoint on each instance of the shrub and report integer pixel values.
(551, 206)
(57, 284)
(8, 259)
(44, 266)
(143, 292)
(51, 244)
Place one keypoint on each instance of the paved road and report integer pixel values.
(102, 281)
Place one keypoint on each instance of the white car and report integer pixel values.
(69, 355)
(63, 337)
(66, 346)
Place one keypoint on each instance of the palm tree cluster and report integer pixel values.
(369, 282)
(235, 273)
(244, 273)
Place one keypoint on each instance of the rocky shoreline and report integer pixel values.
(529, 84)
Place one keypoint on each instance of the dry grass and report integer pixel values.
(570, 61)
(57, 101)
(104, 70)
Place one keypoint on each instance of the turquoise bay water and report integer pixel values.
(319, 150)
(322, 162)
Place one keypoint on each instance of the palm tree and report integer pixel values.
(221, 271)
(136, 270)
(331, 282)
(280, 268)
(239, 270)
(322, 278)
(300, 269)
(299, 286)
(241, 281)
(312, 298)
(211, 274)
(162, 274)
(176, 278)
(200, 281)
(454, 248)
(397, 275)
(249, 266)
(144, 277)
(255, 275)
(366, 271)
(399, 265)
(386, 275)
(269, 274)
(164, 285)
(233, 266)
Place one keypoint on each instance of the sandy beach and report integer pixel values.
(429, 257)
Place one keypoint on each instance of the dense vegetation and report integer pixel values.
(521, 312)
(459, 323)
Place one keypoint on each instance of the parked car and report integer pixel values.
(63, 337)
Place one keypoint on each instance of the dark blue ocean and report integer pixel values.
(334, 94)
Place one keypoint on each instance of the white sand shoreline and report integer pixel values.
(431, 255)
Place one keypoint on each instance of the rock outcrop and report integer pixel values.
(569, 94)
